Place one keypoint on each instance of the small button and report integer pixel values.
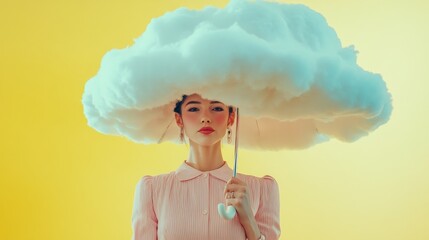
(204, 212)
(205, 175)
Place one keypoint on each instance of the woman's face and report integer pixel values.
(198, 113)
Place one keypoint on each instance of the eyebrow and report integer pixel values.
(200, 102)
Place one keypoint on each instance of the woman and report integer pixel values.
(183, 204)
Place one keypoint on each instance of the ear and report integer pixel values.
(231, 118)
(179, 121)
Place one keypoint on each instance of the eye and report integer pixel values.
(192, 109)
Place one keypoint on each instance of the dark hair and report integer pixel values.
(178, 108)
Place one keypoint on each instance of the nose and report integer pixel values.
(205, 116)
(205, 120)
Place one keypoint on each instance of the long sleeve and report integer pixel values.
(268, 214)
(144, 221)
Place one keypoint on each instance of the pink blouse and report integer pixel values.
(183, 205)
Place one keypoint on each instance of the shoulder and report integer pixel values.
(266, 179)
(144, 184)
(269, 181)
(269, 185)
(265, 184)
(148, 181)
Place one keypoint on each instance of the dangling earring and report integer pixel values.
(182, 137)
(229, 135)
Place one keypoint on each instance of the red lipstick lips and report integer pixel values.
(206, 130)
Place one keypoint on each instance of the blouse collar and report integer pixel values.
(186, 172)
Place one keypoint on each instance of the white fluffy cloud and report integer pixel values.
(281, 64)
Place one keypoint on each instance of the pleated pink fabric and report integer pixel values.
(182, 205)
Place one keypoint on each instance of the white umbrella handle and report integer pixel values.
(229, 212)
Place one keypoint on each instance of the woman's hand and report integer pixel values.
(237, 194)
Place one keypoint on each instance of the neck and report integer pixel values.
(205, 158)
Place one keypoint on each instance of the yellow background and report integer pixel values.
(61, 179)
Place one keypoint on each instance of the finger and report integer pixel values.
(227, 195)
(236, 195)
(230, 195)
(234, 188)
(231, 201)
(235, 180)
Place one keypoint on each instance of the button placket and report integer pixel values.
(206, 180)
(205, 207)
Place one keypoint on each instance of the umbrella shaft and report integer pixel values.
(236, 147)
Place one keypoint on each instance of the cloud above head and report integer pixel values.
(281, 64)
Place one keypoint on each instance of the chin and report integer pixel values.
(205, 142)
